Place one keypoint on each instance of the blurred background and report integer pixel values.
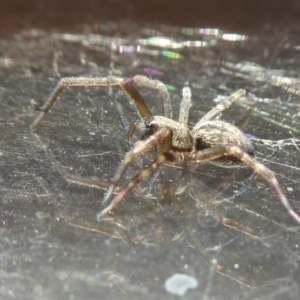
(232, 13)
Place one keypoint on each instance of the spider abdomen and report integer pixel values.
(213, 134)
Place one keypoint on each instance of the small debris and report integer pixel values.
(178, 284)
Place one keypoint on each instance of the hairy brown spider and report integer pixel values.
(209, 140)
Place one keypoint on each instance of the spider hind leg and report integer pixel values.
(217, 152)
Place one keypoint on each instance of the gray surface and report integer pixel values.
(52, 247)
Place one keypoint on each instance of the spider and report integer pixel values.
(209, 140)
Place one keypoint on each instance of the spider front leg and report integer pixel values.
(93, 81)
(162, 92)
(162, 137)
(217, 152)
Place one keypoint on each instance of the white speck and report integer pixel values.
(290, 189)
(178, 284)
(214, 261)
(236, 266)
(92, 133)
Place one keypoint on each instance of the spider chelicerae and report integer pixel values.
(209, 140)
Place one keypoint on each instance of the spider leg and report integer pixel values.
(225, 104)
(185, 105)
(94, 81)
(162, 92)
(132, 129)
(162, 137)
(163, 157)
(214, 153)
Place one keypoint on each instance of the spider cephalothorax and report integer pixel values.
(209, 140)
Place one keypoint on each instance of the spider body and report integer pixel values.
(206, 134)
(210, 139)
